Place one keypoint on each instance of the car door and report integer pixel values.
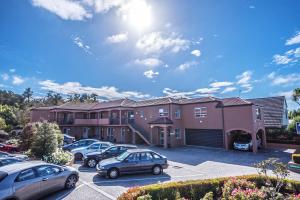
(27, 184)
(146, 161)
(131, 163)
(52, 179)
(93, 148)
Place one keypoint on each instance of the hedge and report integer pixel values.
(196, 189)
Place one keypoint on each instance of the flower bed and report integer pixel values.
(242, 187)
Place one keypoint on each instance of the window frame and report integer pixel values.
(177, 114)
(177, 135)
(200, 112)
(164, 113)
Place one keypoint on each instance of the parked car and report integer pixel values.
(91, 159)
(9, 160)
(33, 180)
(79, 143)
(133, 161)
(244, 142)
(95, 147)
(68, 139)
(19, 156)
(8, 148)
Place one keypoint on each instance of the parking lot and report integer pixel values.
(185, 164)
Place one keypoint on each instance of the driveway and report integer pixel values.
(186, 163)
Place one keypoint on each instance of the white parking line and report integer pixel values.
(98, 190)
(64, 195)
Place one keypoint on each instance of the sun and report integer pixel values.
(139, 15)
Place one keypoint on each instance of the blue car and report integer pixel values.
(79, 143)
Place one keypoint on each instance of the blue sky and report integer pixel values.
(145, 48)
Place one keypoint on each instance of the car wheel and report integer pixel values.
(91, 163)
(156, 170)
(78, 156)
(113, 173)
(71, 182)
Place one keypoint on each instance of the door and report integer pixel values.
(110, 134)
(51, 178)
(27, 184)
(123, 130)
(161, 136)
(204, 137)
(85, 132)
(131, 163)
(146, 161)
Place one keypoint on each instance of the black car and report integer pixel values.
(79, 143)
(133, 161)
(9, 160)
(91, 159)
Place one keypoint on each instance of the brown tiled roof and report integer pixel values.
(44, 108)
(157, 101)
(273, 110)
(161, 120)
(234, 101)
(197, 100)
(76, 106)
(114, 103)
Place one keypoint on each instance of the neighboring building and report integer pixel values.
(275, 111)
(166, 121)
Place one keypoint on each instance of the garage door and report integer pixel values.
(204, 137)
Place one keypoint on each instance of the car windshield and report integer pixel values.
(123, 156)
(2, 175)
(244, 138)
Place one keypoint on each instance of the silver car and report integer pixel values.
(32, 180)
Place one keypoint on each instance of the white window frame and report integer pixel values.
(258, 113)
(177, 134)
(200, 112)
(163, 112)
(177, 114)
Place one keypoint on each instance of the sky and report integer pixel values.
(144, 49)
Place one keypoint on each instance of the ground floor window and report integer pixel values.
(85, 132)
(110, 134)
(123, 133)
(177, 133)
(67, 131)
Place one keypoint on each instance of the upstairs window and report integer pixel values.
(200, 112)
(177, 114)
(258, 113)
(163, 112)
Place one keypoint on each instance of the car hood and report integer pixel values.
(109, 161)
(96, 153)
(242, 142)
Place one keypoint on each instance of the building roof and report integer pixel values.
(274, 110)
(197, 100)
(234, 101)
(161, 120)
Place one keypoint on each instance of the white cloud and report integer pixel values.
(290, 56)
(17, 80)
(281, 59)
(149, 62)
(5, 76)
(228, 89)
(122, 37)
(79, 42)
(188, 94)
(221, 84)
(244, 81)
(288, 79)
(12, 70)
(157, 42)
(103, 92)
(186, 65)
(294, 40)
(288, 95)
(65, 9)
(150, 74)
(196, 53)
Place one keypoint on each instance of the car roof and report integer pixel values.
(124, 145)
(87, 140)
(16, 167)
(4, 158)
(139, 150)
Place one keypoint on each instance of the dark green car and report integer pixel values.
(133, 161)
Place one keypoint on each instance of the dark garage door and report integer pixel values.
(204, 137)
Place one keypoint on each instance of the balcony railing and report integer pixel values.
(91, 121)
(104, 121)
(65, 121)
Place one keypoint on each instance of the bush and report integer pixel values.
(27, 136)
(59, 158)
(208, 196)
(145, 197)
(296, 158)
(233, 184)
(292, 125)
(46, 139)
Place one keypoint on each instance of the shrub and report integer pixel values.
(292, 125)
(236, 184)
(208, 196)
(145, 197)
(59, 158)
(296, 158)
(249, 194)
(46, 139)
(27, 136)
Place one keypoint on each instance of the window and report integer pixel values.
(177, 114)
(200, 112)
(47, 170)
(133, 157)
(177, 133)
(112, 150)
(145, 156)
(104, 146)
(156, 156)
(258, 113)
(94, 146)
(26, 175)
(141, 114)
(163, 112)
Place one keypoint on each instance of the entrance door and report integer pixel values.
(85, 132)
(123, 130)
(110, 134)
(161, 136)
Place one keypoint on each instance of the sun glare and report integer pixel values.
(139, 15)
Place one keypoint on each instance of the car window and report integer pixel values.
(25, 175)
(79, 143)
(47, 170)
(104, 146)
(3, 154)
(112, 150)
(145, 156)
(133, 157)
(155, 156)
(89, 142)
(123, 148)
(94, 146)
(7, 161)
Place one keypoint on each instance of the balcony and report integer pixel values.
(91, 121)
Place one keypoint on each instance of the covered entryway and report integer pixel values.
(204, 137)
(163, 125)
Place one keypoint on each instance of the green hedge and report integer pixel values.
(197, 189)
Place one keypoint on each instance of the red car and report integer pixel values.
(8, 148)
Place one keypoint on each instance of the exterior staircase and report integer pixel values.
(141, 132)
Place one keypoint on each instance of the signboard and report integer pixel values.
(298, 127)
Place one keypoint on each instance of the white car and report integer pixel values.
(244, 142)
(95, 147)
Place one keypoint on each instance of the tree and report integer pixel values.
(27, 136)
(296, 95)
(93, 97)
(2, 124)
(27, 94)
(46, 139)
(8, 113)
(292, 125)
